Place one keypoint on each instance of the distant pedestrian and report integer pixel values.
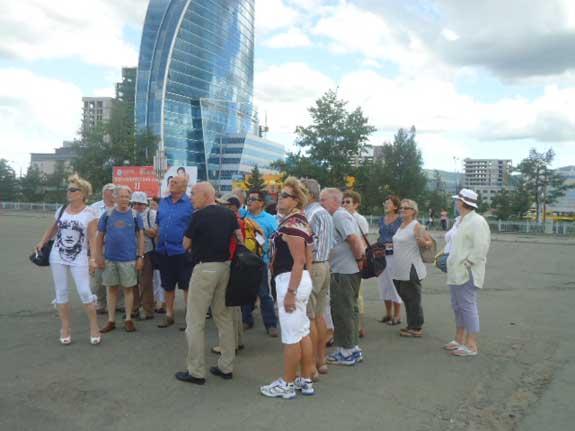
(430, 218)
(352, 202)
(466, 272)
(173, 218)
(409, 269)
(388, 226)
(74, 233)
(292, 259)
(444, 219)
(120, 252)
(345, 260)
(208, 236)
(100, 207)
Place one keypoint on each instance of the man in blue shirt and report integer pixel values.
(123, 232)
(269, 224)
(173, 218)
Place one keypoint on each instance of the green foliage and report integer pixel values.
(543, 185)
(331, 143)
(113, 144)
(403, 166)
(33, 185)
(255, 181)
(56, 183)
(8, 182)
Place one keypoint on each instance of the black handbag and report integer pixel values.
(246, 272)
(42, 257)
(374, 261)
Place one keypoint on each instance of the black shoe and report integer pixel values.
(184, 376)
(182, 328)
(217, 372)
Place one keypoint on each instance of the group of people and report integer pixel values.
(310, 293)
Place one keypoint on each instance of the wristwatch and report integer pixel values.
(140, 257)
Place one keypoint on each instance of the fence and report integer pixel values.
(499, 226)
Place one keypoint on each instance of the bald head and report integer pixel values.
(178, 185)
(203, 194)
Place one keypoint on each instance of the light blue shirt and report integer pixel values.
(269, 224)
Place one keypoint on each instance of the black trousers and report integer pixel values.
(410, 293)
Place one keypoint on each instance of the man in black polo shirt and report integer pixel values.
(209, 235)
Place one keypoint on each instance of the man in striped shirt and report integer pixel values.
(322, 225)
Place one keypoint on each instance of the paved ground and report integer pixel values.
(522, 380)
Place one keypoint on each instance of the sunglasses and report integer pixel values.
(346, 202)
(285, 195)
(254, 200)
(73, 189)
(405, 208)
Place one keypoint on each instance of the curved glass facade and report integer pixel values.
(195, 80)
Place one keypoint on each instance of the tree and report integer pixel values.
(541, 183)
(33, 185)
(403, 166)
(437, 198)
(56, 182)
(8, 182)
(334, 139)
(255, 182)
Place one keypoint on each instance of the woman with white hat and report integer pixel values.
(466, 272)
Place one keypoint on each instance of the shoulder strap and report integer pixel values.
(362, 234)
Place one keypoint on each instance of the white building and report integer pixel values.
(487, 176)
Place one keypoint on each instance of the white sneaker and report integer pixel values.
(279, 389)
(304, 385)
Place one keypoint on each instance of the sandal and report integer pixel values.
(94, 341)
(322, 369)
(452, 345)
(385, 319)
(394, 322)
(463, 350)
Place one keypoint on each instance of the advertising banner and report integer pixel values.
(138, 178)
(190, 172)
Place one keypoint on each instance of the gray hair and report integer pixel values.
(413, 205)
(108, 187)
(312, 187)
(118, 189)
(333, 193)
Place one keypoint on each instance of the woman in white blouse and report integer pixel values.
(409, 268)
(466, 272)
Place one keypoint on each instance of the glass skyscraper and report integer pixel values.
(195, 85)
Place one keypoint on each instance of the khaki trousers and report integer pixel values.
(146, 287)
(208, 288)
(238, 326)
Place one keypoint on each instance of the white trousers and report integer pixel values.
(81, 276)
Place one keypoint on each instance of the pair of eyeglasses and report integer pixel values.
(254, 199)
(346, 202)
(73, 189)
(285, 195)
(405, 208)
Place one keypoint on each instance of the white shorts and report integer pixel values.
(295, 325)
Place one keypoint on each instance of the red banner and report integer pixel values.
(138, 178)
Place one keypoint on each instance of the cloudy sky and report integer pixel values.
(480, 79)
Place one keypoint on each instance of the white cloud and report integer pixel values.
(292, 38)
(284, 92)
(274, 15)
(36, 114)
(91, 31)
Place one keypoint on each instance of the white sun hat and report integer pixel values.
(468, 197)
(139, 198)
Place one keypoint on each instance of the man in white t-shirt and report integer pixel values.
(351, 202)
(98, 289)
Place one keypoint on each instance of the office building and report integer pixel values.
(487, 176)
(126, 90)
(97, 110)
(48, 162)
(194, 87)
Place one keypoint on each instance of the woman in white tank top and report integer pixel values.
(409, 269)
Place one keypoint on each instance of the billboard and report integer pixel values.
(138, 178)
(190, 172)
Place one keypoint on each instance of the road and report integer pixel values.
(523, 378)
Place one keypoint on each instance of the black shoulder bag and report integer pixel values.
(42, 257)
(374, 259)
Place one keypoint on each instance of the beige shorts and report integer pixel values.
(319, 298)
(120, 274)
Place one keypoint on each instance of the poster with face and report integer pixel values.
(70, 239)
(190, 172)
